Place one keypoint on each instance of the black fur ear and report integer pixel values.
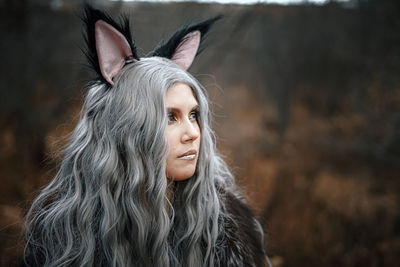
(90, 17)
(169, 48)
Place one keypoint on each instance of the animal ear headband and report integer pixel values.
(110, 46)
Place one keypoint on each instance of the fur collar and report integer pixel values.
(242, 242)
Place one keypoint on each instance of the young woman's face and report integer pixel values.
(183, 132)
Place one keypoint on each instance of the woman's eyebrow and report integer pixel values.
(173, 109)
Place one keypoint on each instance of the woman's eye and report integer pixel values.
(194, 115)
(171, 117)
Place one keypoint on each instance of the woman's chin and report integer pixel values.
(181, 176)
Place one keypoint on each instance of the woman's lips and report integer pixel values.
(191, 154)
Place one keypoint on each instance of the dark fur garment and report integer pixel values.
(242, 244)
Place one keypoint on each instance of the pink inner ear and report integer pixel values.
(186, 51)
(112, 49)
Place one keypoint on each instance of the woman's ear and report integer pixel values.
(185, 43)
(112, 50)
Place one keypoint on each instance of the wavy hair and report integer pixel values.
(108, 204)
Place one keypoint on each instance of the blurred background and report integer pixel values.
(306, 99)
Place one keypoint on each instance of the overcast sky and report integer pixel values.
(284, 2)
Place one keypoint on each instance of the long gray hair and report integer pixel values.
(108, 204)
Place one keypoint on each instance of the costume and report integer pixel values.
(107, 204)
(241, 245)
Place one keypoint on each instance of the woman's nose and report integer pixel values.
(190, 131)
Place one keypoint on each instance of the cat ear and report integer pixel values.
(112, 50)
(186, 51)
(109, 44)
(185, 43)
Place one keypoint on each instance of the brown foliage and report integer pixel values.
(308, 117)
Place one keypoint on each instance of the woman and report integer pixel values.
(141, 183)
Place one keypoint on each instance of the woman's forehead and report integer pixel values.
(180, 95)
